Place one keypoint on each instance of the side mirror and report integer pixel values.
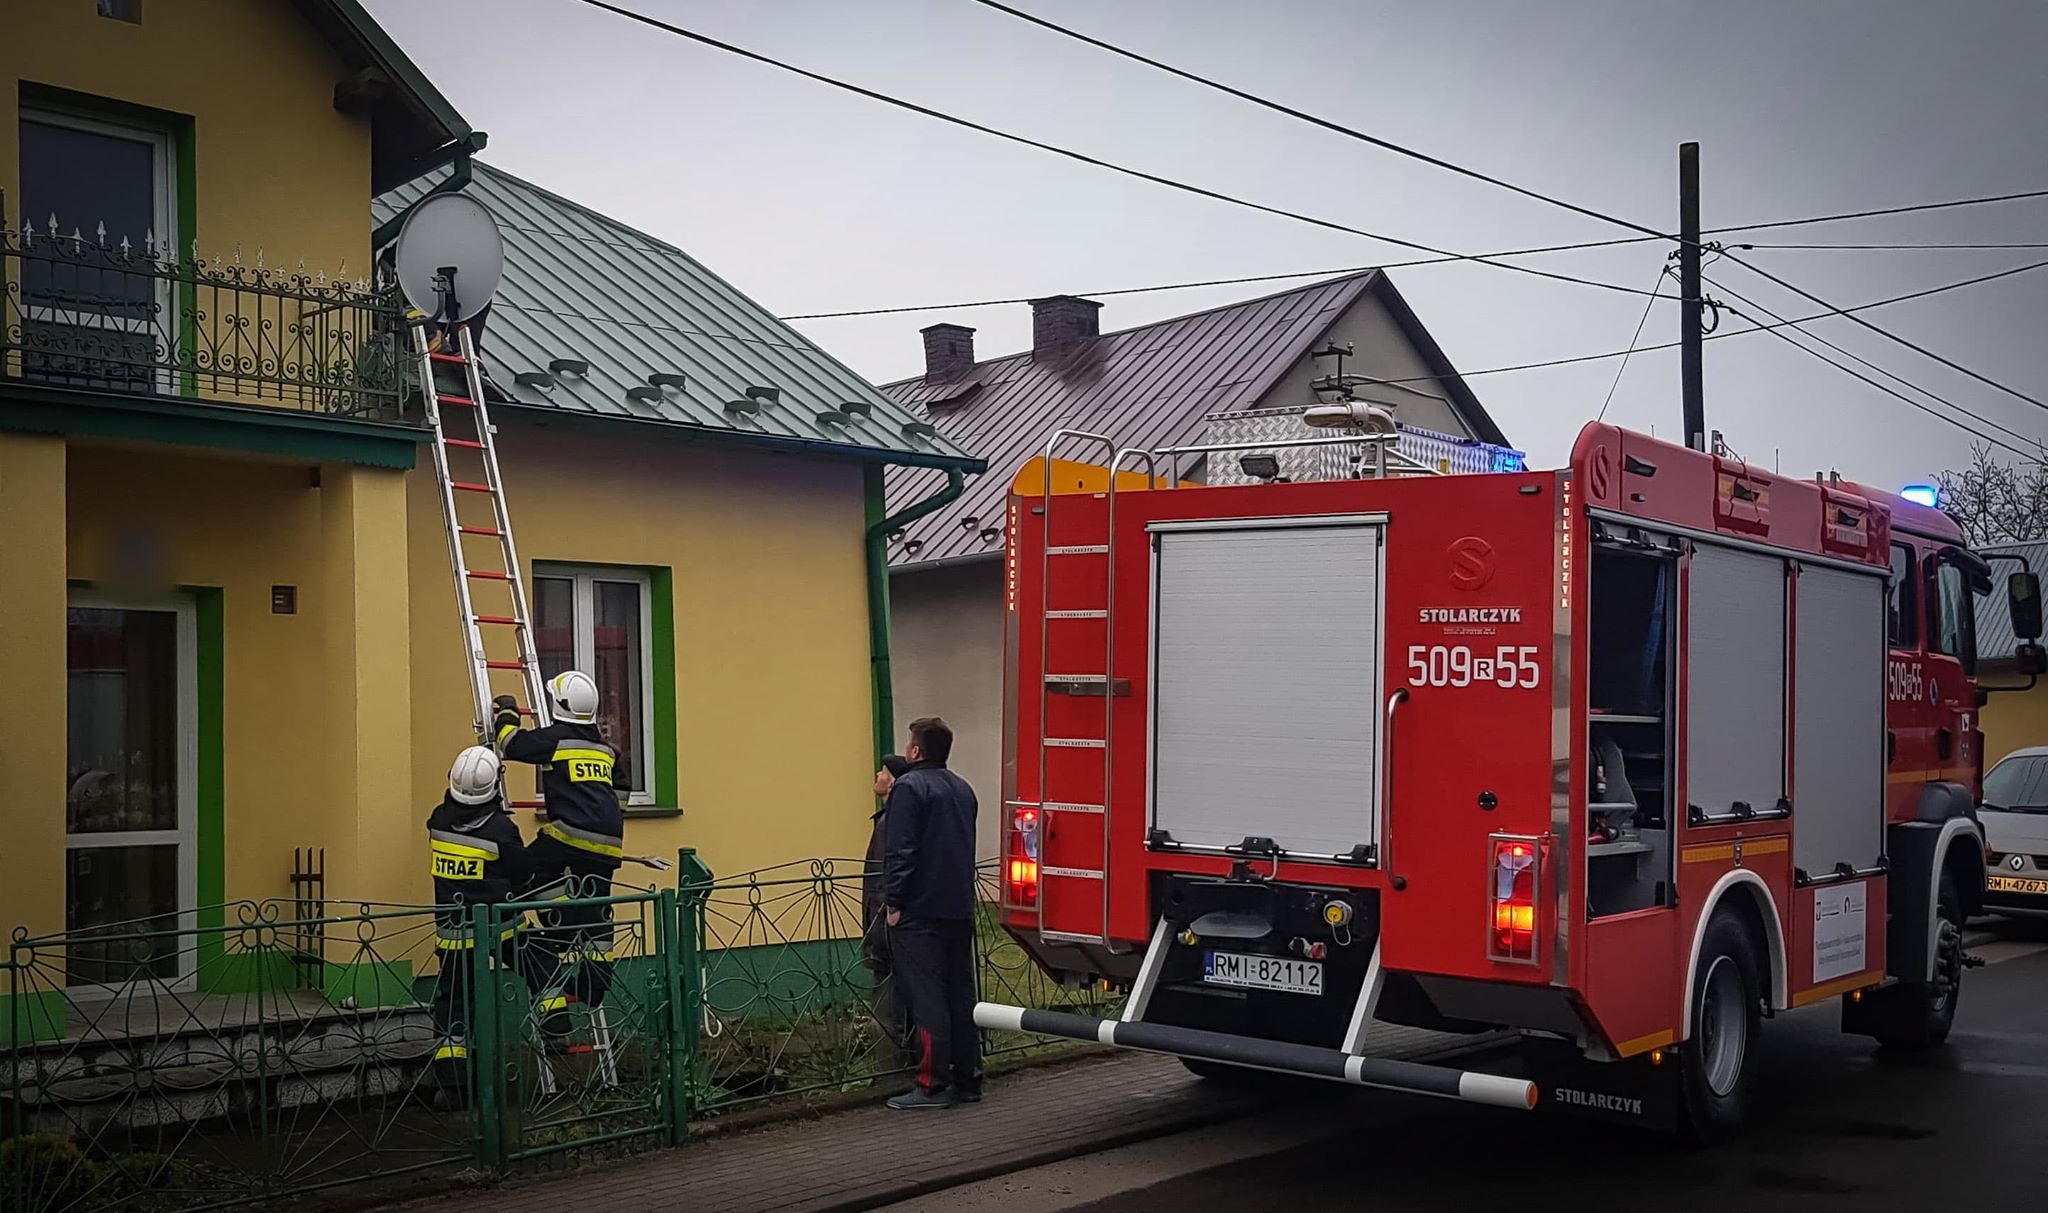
(2023, 590)
(2030, 659)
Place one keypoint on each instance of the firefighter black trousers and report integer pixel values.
(453, 998)
(576, 941)
(934, 975)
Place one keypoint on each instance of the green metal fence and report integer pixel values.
(797, 996)
(240, 1053)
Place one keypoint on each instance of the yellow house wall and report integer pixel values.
(771, 668)
(32, 605)
(2011, 721)
(276, 167)
(242, 527)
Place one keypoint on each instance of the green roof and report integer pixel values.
(597, 319)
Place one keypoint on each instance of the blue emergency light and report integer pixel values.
(1922, 494)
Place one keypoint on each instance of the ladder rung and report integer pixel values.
(455, 358)
(1077, 614)
(467, 444)
(1079, 549)
(470, 486)
(1097, 678)
(504, 619)
(464, 401)
(1074, 873)
(479, 530)
(1076, 743)
(485, 575)
(527, 804)
(504, 665)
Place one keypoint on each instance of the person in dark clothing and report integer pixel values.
(581, 844)
(889, 1008)
(478, 857)
(928, 894)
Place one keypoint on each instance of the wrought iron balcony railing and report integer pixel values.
(80, 312)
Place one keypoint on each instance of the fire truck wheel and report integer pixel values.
(1726, 1016)
(1918, 1015)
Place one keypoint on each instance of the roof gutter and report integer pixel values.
(878, 590)
(774, 442)
(457, 179)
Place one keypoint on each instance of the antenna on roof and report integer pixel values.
(447, 235)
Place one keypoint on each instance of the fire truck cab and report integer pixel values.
(1624, 757)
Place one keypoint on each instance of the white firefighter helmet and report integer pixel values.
(573, 696)
(474, 777)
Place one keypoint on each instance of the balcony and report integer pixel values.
(81, 314)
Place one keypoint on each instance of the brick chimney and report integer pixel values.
(948, 349)
(1061, 322)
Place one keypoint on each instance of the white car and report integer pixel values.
(2015, 820)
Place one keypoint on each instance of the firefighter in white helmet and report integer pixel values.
(478, 857)
(576, 850)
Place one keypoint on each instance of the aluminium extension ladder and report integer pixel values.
(482, 666)
(506, 558)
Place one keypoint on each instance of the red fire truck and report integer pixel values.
(1625, 757)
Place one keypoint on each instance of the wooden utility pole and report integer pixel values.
(1691, 313)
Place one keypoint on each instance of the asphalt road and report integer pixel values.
(1837, 1124)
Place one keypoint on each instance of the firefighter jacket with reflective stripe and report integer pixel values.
(576, 781)
(477, 856)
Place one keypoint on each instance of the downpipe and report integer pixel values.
(1308, 1061)
(878, 598)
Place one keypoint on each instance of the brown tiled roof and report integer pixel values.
(1147, 387)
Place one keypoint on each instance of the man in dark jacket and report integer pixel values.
(928, 889)
(890, 1012)
(576, 850)
(478, 857)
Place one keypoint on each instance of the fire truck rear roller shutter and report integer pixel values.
(1266, 694)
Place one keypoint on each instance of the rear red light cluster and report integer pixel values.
(1023, 865)
(1511, 909)
(1024, 882)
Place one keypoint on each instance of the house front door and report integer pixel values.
(131, 775)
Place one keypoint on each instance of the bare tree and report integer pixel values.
(1995, 501)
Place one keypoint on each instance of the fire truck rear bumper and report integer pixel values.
(1282, 1057)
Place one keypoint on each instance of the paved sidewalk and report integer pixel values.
(860, 1159)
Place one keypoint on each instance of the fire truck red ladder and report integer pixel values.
(501, 566)
(1055, 801)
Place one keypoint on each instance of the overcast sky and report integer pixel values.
(812, 200)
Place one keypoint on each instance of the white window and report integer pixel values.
(131, 787)
(597, 620)
(95, 311)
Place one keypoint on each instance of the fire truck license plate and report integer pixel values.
(1263, 973)
(2018, 884)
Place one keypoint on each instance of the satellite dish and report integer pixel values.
(450, 257)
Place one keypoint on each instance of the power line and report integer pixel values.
(1889, 248)
(1621, 370)
(1614, 242)
(1313, 120)
(1882, 212)
(1332, 272)
(1860, 360)
(1672, 345)
(1778, 332)
(1085, 158)
(1922, 350)
(1375, 141)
